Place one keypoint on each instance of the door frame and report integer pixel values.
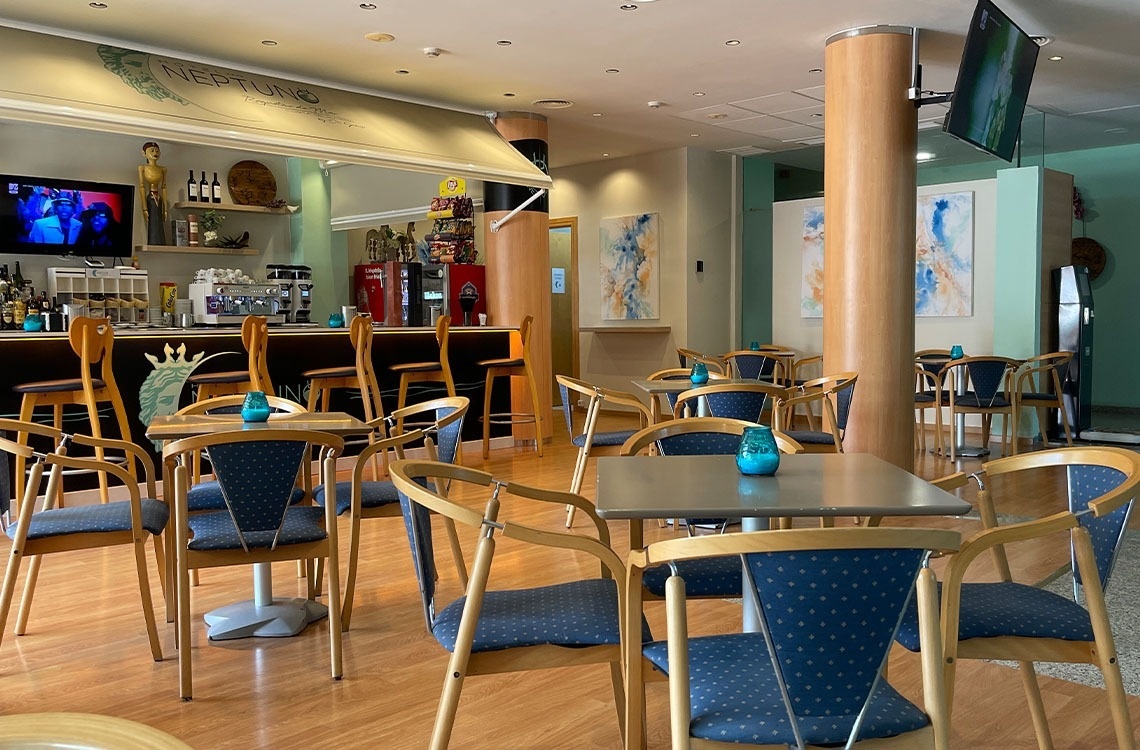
(571, 222)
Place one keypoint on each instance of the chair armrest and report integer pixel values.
(563, 498)
(625, 399)
(989, 538)
(130, 450)
(611, 563)
(93, 464)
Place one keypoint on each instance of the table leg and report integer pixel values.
(263, 616)
(751, 619)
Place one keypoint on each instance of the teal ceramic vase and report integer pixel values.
(758, 454)
(255, 408)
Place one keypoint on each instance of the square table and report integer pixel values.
(263, 615)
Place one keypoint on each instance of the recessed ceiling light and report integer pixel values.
(508, 93)
(815, 71)
(733, 43)
(597, 114)
(1056, 58)
(716, 116)
(627, 6)
(402, 72)
(694, 135)
(368, 6)
(698, 93)
(504, 42)
(604, 154)
(269, 42)
(612, 71)
(98, 6)
(923, 156)
(553, 103)
(1041, 41)
(379, 36)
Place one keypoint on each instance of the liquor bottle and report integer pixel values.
(4, 285)
(18, 280)
(7, 316)
(217, 188)
(192, 188)
(204, 189)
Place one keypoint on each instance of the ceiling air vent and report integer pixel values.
(553, 103)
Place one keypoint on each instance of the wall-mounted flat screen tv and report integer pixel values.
(993, 82)
(51, 216)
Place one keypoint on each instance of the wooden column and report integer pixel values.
(869, 242)
(518, 263)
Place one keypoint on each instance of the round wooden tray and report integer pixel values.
(251, 184)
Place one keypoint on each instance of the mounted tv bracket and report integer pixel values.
(915, 92)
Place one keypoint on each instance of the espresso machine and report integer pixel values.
(224, 303)
(296, 290)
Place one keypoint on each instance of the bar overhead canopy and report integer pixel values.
(103, 87)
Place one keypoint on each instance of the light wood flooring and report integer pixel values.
(86, 651)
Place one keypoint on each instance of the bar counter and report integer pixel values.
(151, 366)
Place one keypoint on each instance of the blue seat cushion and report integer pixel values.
(990, 610)
(604, 438)
(972, 401)
(216, 530)
(87, 519)
(924, 398)
(811, 437)
(707, 577)
(736, 698)
(372, 495)
(578, 613)
(1038, 397)
(208, 496)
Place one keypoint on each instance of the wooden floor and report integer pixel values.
(86, 651)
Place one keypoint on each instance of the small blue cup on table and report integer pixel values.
(255, 408)
(956, 352)
(758, 454)
(699, 374)
(336, 320)
(754, 346)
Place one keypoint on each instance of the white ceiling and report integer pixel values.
(666, 51)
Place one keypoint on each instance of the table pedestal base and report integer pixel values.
(970, 451)
(282, 618)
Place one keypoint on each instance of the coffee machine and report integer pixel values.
(296, 285)
(225, 303)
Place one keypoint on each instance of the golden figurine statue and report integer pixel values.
(152, 191)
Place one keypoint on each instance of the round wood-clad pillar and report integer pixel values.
(518, 263)
(869, 212)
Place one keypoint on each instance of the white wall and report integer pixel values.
(692, 193)
(975, 333)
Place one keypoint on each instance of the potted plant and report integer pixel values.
(209, 223)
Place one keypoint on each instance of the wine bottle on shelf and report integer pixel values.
(217, 189)
(204, 189)
(18, 279)
(192, 188)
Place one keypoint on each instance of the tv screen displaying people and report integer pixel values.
(40, 215)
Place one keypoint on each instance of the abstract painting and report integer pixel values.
(630, 272)
(811, 282)
(944, 256)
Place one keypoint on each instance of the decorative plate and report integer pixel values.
(1088, 252)
(251, 184)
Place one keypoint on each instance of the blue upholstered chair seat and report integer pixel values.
(578, 613)
(924, 398)
(990, 610)
(208, 496)
(736, 698)
(372, 495)
(604, 438)
(810, 437)
(972, 401)
(709, 577)
(216, 530)
(94, 519)
(1038, 397)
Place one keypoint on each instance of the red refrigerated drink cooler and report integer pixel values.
(390, 292)
(459, 289)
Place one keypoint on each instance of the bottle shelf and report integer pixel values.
(198, 249)
(235, 207)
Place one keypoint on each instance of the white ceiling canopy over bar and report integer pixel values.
(98, 86)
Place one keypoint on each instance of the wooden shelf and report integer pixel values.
(625, 329)
(198, 250)
(236, 207)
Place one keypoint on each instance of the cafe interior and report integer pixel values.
(657, 461)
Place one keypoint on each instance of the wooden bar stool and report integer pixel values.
(92, 340)
(512, 367)
(426, 372)
(255, 339)
(361, 376)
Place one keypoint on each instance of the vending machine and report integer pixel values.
(1075, 334)
(390, 292)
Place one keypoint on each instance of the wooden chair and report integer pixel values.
(257, 470)
(1024, 623)
(68, 731)
(986, 382)
(492, 631)
(673, 373)
(745, 401)
(829, 605)
(748, 364)
(512, 367)
(686, 357)
(92, 340)
(589, 441)
(427, 372)
(255, 339)
(360, 376)
(1037, 384)
(59, 528)
(834, 394)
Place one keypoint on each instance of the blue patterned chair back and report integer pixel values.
(257, 479)
(932, 363)
(843, 405)
(567, 408)
(829, 643)
(447, 437)
(1086, 483)
(745, 405)
(699, 444)
(754, 366)
(417, 525)
(988, 380)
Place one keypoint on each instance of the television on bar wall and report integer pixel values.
(993, 83)
(52, 216)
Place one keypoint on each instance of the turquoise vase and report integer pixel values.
(956, 352)
(754, 346)
(255, 408)
(758, 454)
(699, 374)
(336, 320)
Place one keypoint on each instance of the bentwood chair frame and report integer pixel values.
(553, 646)
(674, 552)
(1037, 384)
(92, 340)
(59, 528)
(981, 396)
(827, 391)
(513, 367)
(255, 339)
(994, 643)
(178, 452)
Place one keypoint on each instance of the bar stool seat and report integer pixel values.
(511, 367)
(56, 386)
(426, 372)
(255, 339)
